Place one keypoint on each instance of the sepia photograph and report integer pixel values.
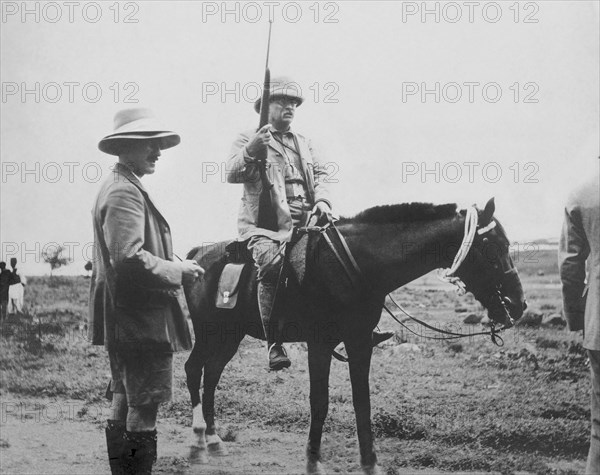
(300, 237)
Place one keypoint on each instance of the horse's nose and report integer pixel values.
(514, 309)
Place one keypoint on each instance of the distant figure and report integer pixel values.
(5, 277)
(16, 289)
(580, 242)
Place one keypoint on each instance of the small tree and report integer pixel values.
(54, 257)
(88, 267)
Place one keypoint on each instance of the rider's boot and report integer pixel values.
(380, 337)
(278, 358)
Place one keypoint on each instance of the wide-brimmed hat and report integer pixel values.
(136, 124)
(283, 87)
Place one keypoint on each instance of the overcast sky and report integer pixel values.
(407, 101)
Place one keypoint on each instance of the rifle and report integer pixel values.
(267, 218)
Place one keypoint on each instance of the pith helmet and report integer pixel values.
(283, 87)
(136, 124)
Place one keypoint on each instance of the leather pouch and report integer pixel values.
(229, 286)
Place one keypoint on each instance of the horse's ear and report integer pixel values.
(488, 213)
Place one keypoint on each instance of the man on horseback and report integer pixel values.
(299, 192)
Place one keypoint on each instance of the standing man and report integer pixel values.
(580, 243)
(5, 277)
(299, 191)
(136, 308)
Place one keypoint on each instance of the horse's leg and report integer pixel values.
(212, 373)
(319, 364)
(359, 351)
(193, 370)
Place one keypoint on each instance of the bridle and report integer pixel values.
(449, 275)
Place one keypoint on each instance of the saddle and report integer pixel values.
(238, 257)
(306, 244)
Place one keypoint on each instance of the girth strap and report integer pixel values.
(353, 276)
(347, 250)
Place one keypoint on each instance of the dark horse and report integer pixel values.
(392, 246)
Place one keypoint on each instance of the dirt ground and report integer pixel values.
(60, 443)
(45, 436)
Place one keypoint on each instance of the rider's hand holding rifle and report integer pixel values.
(259, 143)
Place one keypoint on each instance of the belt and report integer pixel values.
(294, 190)
(296, 198)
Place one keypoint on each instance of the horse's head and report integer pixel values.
(488, 271)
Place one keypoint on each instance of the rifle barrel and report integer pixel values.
(268, 44)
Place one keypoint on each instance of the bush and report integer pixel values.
(60, 281)
(455, 347)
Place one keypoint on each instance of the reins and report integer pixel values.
(494, 332)
(446, 275)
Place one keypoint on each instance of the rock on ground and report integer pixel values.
(554, 320)
(530, 319)
(473, 319)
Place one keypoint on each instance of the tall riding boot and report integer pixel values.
(278, 358)
(380, 337)
(114, 445)
(139, 452)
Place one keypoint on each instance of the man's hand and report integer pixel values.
(260, 141)
(323, 213)
(191, 270)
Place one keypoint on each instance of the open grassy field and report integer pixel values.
(443, 407)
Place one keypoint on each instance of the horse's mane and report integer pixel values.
(402, 213)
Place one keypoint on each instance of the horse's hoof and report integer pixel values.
(198, 455)
(215, 445)
(315, 468)
(218, 449)
(372, 470)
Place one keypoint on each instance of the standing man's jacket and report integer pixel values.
(136, 300)
(580, 240)
(240, 169)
